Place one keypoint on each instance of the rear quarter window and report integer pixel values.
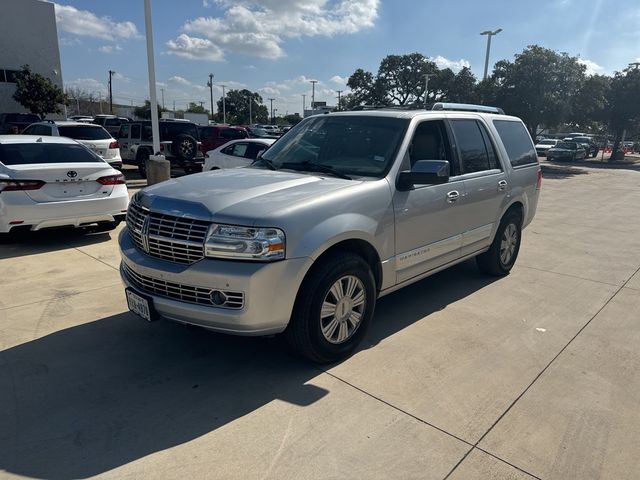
(517, 142)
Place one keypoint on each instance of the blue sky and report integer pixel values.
(276, 46)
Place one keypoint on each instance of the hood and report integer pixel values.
(239, 195)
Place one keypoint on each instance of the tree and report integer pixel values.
(195, 108)
(623, 104)
(462, 88)
(402, 76)
(292, 118)
(589, 104)
(237, 107)
(145, 111)
(537, 86)
(37, 93)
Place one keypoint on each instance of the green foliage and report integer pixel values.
(195, 108)
(237, 107)
(623, 103)
(145, 111)
(37, 93)
(292, 118)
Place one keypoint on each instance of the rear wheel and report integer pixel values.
(333, 310)
(142, 158)
(501, 256)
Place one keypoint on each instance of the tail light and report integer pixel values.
(112, 180)
(539, 184)
(114, 144)
(7, 185)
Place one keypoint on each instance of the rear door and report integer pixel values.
(69, 171)
(485, 181)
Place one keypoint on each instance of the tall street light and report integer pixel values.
(210, 85)
(155, 127)
(304, 104)
(339, 93)
(489, 34)
(271, 109)
(224, 105)
(313, 95)
(427, 76)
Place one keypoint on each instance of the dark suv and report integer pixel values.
(179, 143)
(215, 136)
(587, 143)
(16, 122)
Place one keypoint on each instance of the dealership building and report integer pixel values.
(29, 36)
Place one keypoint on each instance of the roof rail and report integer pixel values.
(466, 107)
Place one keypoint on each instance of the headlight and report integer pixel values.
(245, 243)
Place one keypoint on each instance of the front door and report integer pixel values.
(429, 225)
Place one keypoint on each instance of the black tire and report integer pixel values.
(184, 147)
(304, 332)
(142, 158)
(492, 261)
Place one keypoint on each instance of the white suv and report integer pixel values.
(95, 137)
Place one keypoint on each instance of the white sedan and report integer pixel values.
(237, 153)
(54, 182)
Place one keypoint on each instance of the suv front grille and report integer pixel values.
(176, 239)
(210, 297)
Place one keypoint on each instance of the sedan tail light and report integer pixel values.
(7, 185)
(112, 180)
(114, 144)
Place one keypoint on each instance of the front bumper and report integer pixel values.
(270, 289)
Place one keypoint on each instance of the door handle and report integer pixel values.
(453, 196)
(502, 185)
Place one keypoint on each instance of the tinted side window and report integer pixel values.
(491, 151)
(232, 133)
(430, 142)
(517, 142)
(124, 131)
(473, 152)
(228, 150)
(135, 131)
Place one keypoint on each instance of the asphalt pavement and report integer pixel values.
(461, 376)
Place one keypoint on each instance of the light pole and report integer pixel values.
(111, 72)
(489, 34)
(155, 127)
(313, 95)
(162, 91)
(271, 109)
(427, 76)
(224, 106)
(250, 102)
(339, 92)
(210, 85)
(304, 104)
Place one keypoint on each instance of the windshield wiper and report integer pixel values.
(316, 167)
(268, 163)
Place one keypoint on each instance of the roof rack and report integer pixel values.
(467, 107)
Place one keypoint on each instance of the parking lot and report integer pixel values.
(462, 376)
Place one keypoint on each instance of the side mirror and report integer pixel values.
(424, 172)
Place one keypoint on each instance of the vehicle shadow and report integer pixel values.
(596, 163)
(31, 243)
(90, 398)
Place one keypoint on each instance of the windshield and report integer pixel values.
(567, 145)
(29, 153)
(352, 145)
(84, 132)
(548, 142)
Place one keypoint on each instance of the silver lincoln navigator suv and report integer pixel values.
(343, 209)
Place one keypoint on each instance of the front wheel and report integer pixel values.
(501, 256)
(333, 310)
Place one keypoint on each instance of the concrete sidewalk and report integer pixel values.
(461, 376)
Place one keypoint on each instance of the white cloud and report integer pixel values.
(195, 48)
(455, 65)
(259, 27)
(110, 48)
(592, 67)
(69, 42)
(85, 23)
(339, 80)
(90, 85)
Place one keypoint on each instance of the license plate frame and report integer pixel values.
(141, 305)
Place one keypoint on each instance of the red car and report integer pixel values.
(214, 136)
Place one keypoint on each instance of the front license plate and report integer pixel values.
(139, 305)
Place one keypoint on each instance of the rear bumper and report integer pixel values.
(18, 207)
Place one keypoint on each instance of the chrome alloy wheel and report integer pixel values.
(508, 243)
(342, 309)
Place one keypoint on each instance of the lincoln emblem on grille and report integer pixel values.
(144, 233)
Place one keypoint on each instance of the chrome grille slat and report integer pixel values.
(171, 238)
(185, 293)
